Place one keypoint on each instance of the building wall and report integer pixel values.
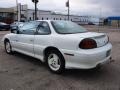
(22, 13)
(115, 23)
(6, 15)
(49, 15)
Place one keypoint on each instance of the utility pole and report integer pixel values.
(68, 10)
(35, 11)
(20, 11)
(17, 9)
(35, 2)
(68, 5)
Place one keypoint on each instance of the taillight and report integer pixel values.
(88, 44)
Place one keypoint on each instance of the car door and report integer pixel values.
(41, 39)
(25, 38)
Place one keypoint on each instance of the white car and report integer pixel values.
(60, 44)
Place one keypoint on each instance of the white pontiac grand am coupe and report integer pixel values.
(60, 44)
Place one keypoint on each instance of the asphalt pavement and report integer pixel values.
(21, 72)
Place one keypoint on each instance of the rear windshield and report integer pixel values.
(67, 27)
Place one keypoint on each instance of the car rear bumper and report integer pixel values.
(87, 59)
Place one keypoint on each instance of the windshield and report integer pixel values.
(67, 27)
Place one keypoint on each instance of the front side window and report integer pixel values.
(67, 27)
(29, 28)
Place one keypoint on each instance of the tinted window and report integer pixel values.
(29, 28)
(43, 28)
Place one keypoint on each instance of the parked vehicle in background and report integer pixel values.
(4, 26)
(60, 44)
(91, 23)
(15, 25)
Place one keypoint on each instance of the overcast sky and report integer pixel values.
(79, 7)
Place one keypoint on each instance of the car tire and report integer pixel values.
(8, 47)
(55, 62)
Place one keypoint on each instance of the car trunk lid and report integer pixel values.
(100, 38)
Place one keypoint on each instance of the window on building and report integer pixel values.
(80, 19)
(22, 16)
(84, 20)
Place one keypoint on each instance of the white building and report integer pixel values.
(22, 13)
(25, 14)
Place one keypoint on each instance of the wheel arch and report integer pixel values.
(48, 49)
(6, 39)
